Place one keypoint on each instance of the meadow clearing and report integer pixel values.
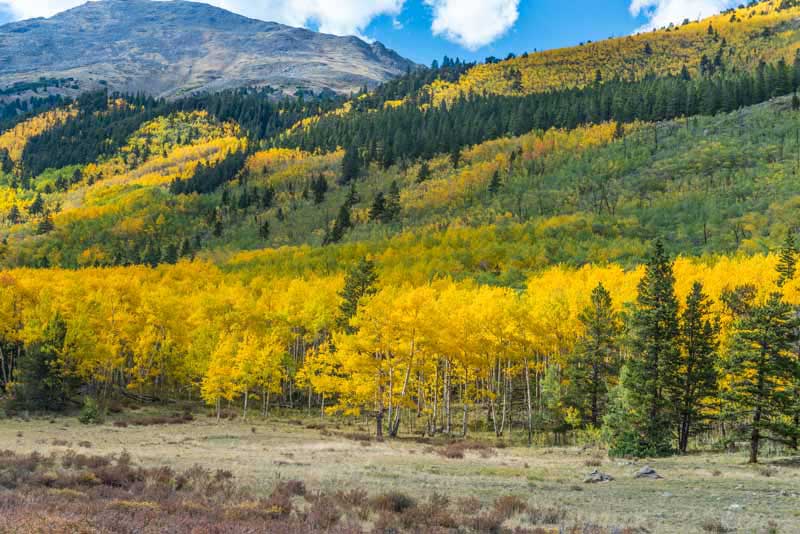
(538, 489)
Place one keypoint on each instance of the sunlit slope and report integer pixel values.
(737, 39)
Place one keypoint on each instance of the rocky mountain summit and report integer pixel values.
(170, 48)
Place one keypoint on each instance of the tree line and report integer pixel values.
(411, 132)
(646, 360)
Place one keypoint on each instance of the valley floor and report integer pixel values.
(699, 493)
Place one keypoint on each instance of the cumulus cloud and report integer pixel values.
(660, 13)
(473, 23)
(27, 9)
(340, 17)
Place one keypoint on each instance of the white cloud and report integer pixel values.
(662, 12)
(340, 17)
(473, 23)
(26, 9)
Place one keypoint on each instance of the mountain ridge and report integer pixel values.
(172, 48)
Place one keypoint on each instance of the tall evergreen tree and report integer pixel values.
(392, 211)
(378, 210)
(351, 166)
(697, 376)
(495, 183)
(41, 384)
(595, 363)
(361, 281)
(762, 361)
(656, 356)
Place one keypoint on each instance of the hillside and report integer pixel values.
(533, 255)
(178, 47)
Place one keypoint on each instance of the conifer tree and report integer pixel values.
(424, 172)
(656, 357)
(351, 166)
(37, 206)
(762, 362)
(41, 383)
(361, 281)
(319, 187)
(378, 210)
(697, 373)
(263, 230)
(495, 183)
(392, 210)
(596, 361)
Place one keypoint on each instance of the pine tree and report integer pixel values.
(319, 187)
(787, 264)
(6, 164)
(263, 230)
(596, 361)
(41, 384)
(186, 249)
(495, 184)
(13, 215)
(656, 357)
(171, 254)
(340, 226)
(697, 374)
(151, 254)
(361, 281)
(455, 156)
(392, 210)
(424, 172)
(378, 210)
(45, 225)
(761, 363)
(351, 166)
(37, 206)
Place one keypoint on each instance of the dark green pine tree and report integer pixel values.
(392, 210)
(595, 363)
(171, 254)
(424, 172)
(351, 166)
(151, 254)
(495, 184)
(787, 264)
(263, 230)
(653, 368)
(697, 376)
(186, 250)
(6, 164)
(45, 225)
(340, 226)
(37, 206)
(13, 215)
(455, 156)
(762, 362)
(359, 282)
(40, 381)
(377, 212)
(319, 188)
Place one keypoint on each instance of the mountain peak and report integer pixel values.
(169, 48)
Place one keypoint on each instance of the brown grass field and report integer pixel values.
(519, 489)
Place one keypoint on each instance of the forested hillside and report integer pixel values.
(597, 241)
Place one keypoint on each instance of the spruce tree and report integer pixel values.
(378, 210)
(263, 230)
(359, 282)
(595, 363)
(697, 374)
(424, 172)
(171, 254)
(762, 362)
(40, 380)
(351, 166)
(495, 184)
(656, 356)
(392, 210)
(319, 187)
(37, 206)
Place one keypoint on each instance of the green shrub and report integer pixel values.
(90, 413)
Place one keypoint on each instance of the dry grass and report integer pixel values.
(332, 468)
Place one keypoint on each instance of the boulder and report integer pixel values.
(596, 476)
(647, 472)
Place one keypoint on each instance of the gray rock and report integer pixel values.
(647, 472)
(596, 476)
(173, 48)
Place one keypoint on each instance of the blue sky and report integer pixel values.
(427, 29)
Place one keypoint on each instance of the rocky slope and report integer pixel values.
(172, 48)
